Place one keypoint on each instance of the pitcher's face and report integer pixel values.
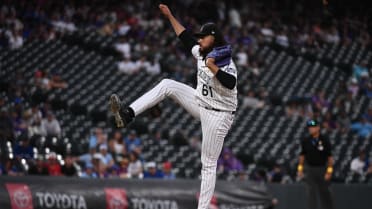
(206, 43)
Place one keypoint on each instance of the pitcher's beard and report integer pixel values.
(204, 52)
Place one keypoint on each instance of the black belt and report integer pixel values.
(218, 110)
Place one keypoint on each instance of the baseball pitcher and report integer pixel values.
(213, 102)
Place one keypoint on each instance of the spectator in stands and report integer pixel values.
(113, 171)
(123, 170)
(117, 145)
(363, 128)
(368, 115)
(47, 82)
(332, 36)
(228, 162)
(329, 123)
(133, 143)
(349, 103)
(63, 24)
(360, 164)
(267, 32)
(122, 30)
(234, 17)
(337, 106)
(42, 80)
(157, 137)
(142, 63)
(88, 157)
(135, 169)
(34, 118)
(13, 167)
(320, 102)
(259, 175)
(15, 39)
(359, 69)
(167, 171)
(39, 93)
(282, 38)
(38, 168)
(368, 91)
(242, 57)
(69, 169)
(53, 165)
(293, 109)
(344, 121)
(251, 101)
(97, 158)
(18, 124)
(57, 82)
(51, 126)
(195, 142)
(6, 126)
(97, 139)
(242, 176)
(353, 87)
(23, 149)
(106, 156)
(276, 174)
(123, 46)
(256, 69)
(364, 83)
(153, 67)
(89, 171)
(152, 171)
(102, 170)
(127, 66)
(141, 48)
(35, 115)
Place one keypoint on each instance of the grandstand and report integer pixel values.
(84, 104)
(86, 59)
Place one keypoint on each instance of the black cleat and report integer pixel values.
(115, 109)
(122, 117)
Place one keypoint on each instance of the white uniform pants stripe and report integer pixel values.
(179, 92)
(215, 126)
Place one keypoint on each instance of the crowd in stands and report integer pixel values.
(145, 42)
(337, 114)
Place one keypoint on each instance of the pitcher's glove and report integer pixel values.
(221, 55)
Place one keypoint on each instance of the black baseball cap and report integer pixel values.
(211, 29)
(207, 29)
(312, 123)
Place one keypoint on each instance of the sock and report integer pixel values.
(131, 112)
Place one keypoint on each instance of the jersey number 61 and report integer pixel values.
(207, 90)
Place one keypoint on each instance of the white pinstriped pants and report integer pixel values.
(215, 126)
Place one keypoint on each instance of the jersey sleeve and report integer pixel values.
(187, 40)
(226, 79)
(230, 69)
(303, 150)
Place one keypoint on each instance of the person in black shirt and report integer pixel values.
(68, 169)
(38, 168)
(317, 163)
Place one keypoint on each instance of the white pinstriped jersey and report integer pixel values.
(210, 92)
